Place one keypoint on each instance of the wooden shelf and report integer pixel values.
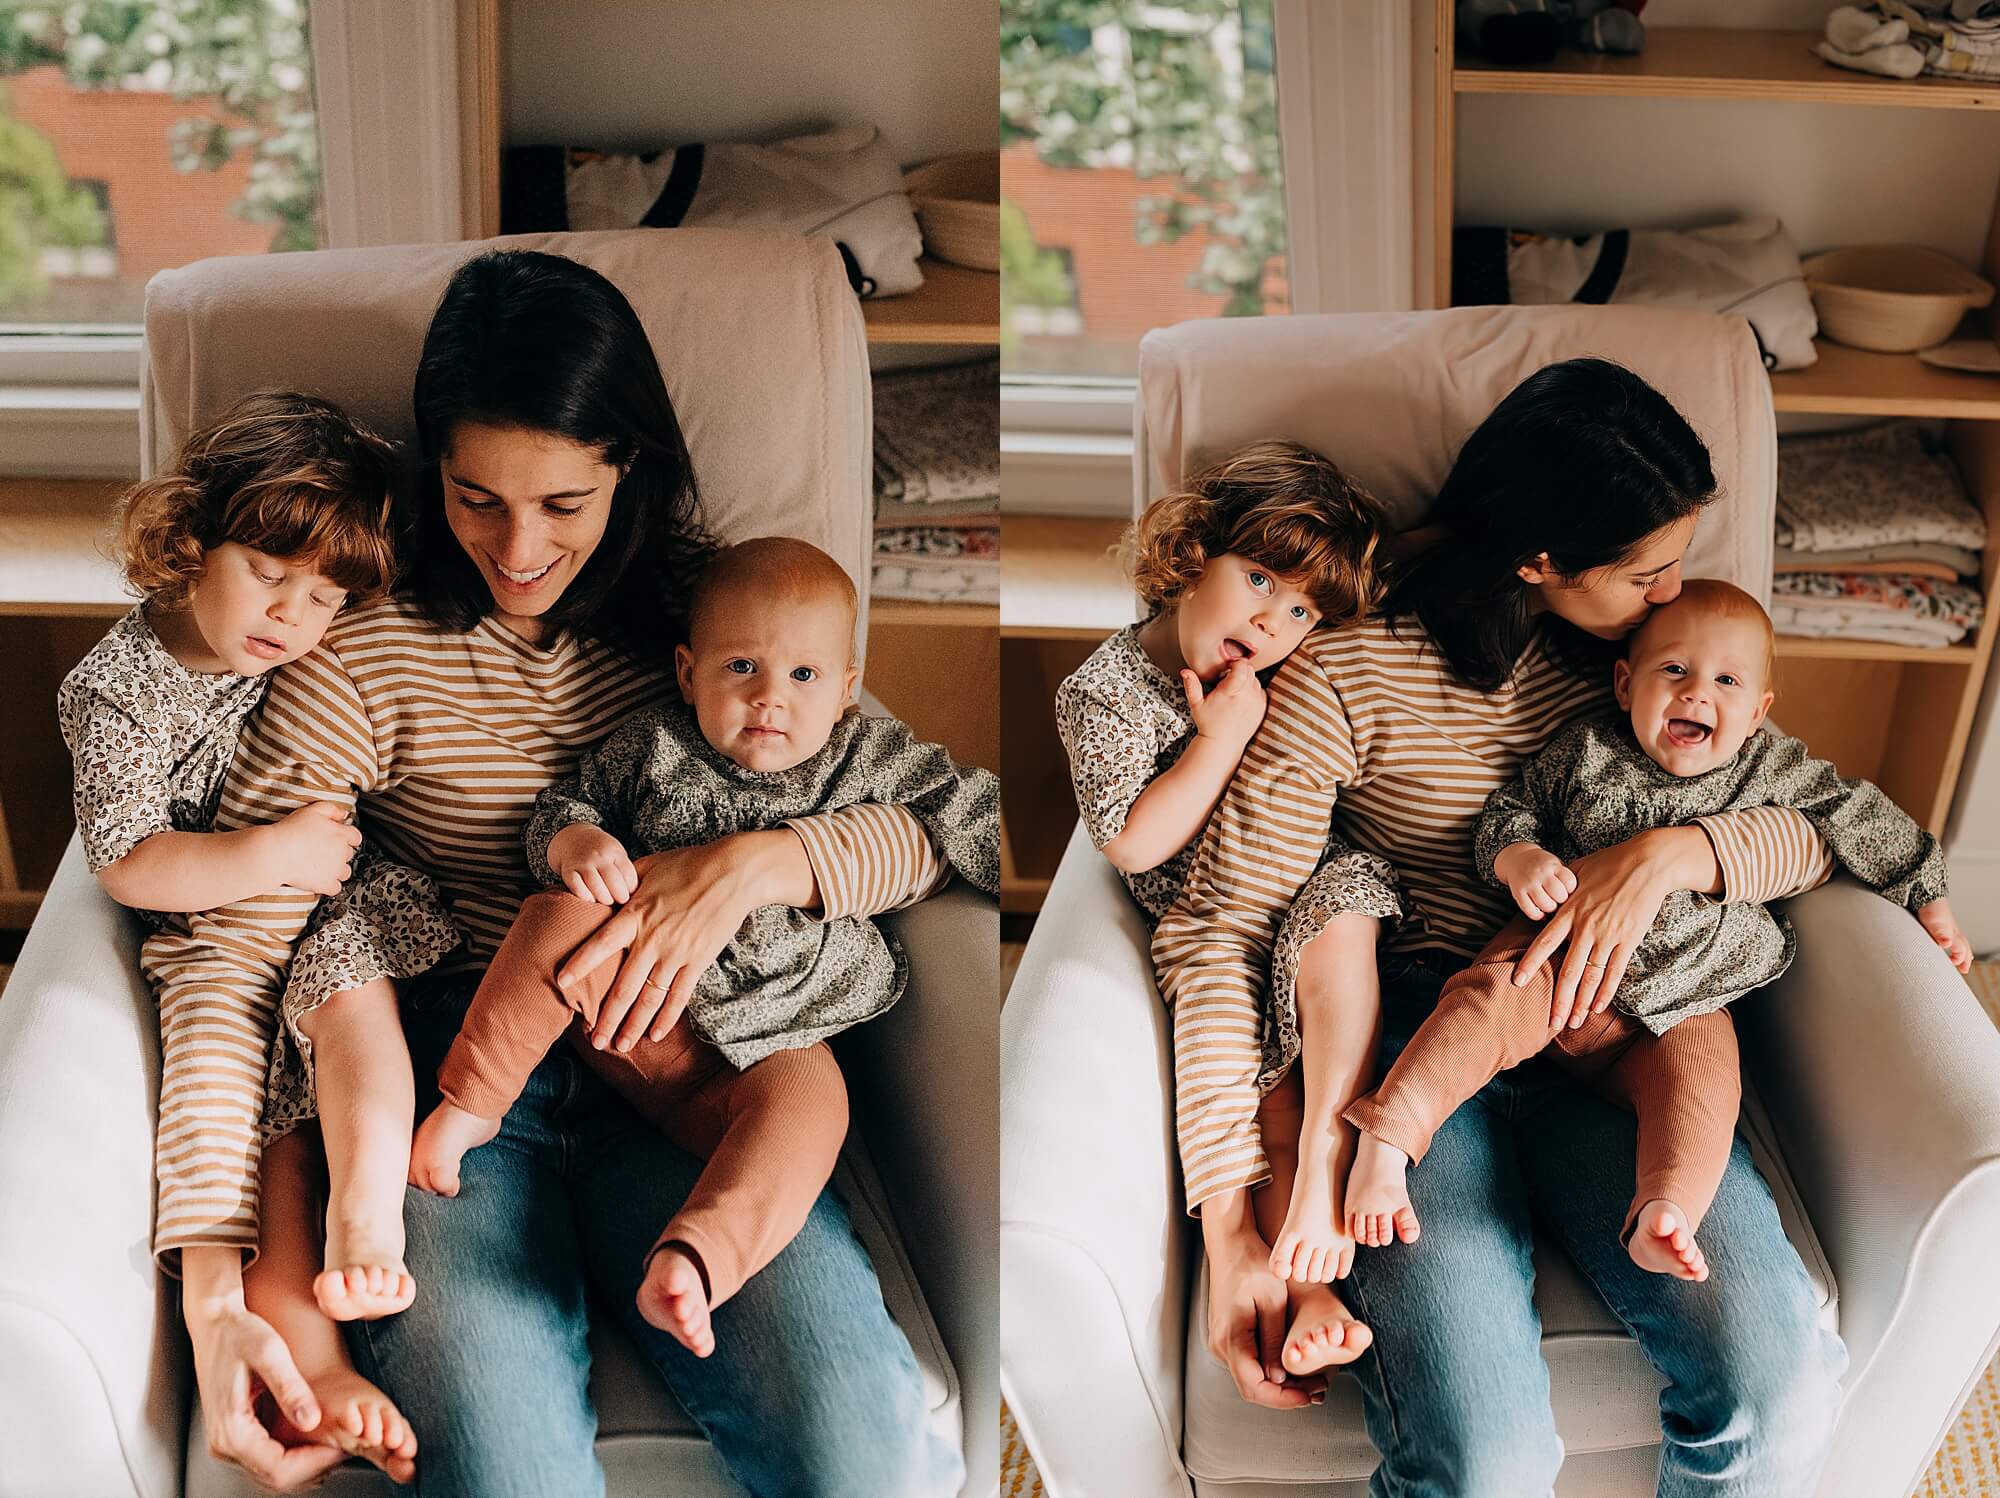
(906, 611)
(1798, 648)
(1059, 579)
(52, 562)
(954, 305)
(1853, 382)
(1702, 62)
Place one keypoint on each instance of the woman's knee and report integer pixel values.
(1483, 1450)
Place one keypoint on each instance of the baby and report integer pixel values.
(1695, 684)
(270, 521)
(747, 1080)
(1237, 567)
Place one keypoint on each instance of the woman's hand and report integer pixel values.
(1247, 1314)
(237, 1356)
(1618, 894)
(689, 904)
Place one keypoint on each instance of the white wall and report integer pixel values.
(631, 74)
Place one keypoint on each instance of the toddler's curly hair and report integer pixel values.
(1277, 504)
(290, 475)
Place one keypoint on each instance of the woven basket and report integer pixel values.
(958, 207)
(1892, 298)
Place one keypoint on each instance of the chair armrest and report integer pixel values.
(94, 1383)
(1094, 1238)
(923, 1078)
(1877, 1069)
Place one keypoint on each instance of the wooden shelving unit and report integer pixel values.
(953, 306)
(1896, 714)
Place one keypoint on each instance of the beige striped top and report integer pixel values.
(443, 741)
(1376, 720)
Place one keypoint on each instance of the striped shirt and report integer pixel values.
(1377, 721)
(441, 742)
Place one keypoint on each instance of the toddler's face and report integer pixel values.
(255, 612)
(1696, 685)
(768, 682)
(1240, 611)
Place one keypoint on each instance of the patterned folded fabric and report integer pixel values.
(937, 433)
(1876, 486)
(1899, 608)
(1963, 563)
(1811, 626)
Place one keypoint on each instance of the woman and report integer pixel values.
(557, 522)
(1562, 524)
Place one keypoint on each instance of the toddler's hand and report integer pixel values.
(1231, 709)
(1943, 927)
(593, 864)
(1538, 879)
(316, 847)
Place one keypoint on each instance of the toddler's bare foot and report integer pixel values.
(440, 1144)
(364, 1278)
(1322, 1334)
(673, 1298)
(1312, 1245)
(358, 1418)
(1662, 1243)
(1378, 1201)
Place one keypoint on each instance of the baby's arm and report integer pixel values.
(568, 838)
(592, 864)
(1171, 812)
(1507, 845)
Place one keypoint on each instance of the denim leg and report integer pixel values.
(491, 1364)
(1456, 1392)
(1753, 1379)
(812, 1389)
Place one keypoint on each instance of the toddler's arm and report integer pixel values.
(1171, 812)
(310, 849)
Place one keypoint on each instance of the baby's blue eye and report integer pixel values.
(804, 673)
(740, 667)
(1727, 680)
(1673, 670)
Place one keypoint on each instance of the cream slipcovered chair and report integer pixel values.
(1873, 1106)
(763, 350)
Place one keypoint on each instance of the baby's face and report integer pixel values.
(256, 612)
(1696, 685)
(768, 682)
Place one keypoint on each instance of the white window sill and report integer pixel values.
(69, 431)
(1066, 449)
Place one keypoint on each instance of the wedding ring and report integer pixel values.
(649, 983)
(1593, 964)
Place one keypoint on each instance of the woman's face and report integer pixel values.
(1611, 602)
(529, 508)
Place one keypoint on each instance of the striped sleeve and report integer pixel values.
(218, 982)
(1767, 853)
(1212, 950)
(870, 858)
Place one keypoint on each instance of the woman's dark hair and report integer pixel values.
(1583, 460)
(537, 342)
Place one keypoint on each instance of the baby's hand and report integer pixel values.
(316, 847)
(1539, 880)
(1231, 709)
(593, 864)
(1943, 927)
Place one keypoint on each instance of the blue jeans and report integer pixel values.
(1456, 1392)
(812, 1389)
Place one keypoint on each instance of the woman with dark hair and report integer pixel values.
(556, 520)
(1562, 524)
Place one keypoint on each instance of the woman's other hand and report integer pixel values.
(1247, 1311)
(688, 905)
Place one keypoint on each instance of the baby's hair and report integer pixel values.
(1274, 503)
(1712, 595)
(289, 475)
(781, 571)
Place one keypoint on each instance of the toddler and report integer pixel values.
(768, 733)
(1695, 686)
(273, 519)
(1236, 569)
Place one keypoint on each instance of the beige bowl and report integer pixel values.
(1892, 298)
(958, 208)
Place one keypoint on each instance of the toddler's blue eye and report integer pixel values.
(1298, 611)
(804, 673)
(1259, 581)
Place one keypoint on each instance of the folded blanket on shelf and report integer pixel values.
(1903, 610)
(1804, 624)
(1956, 559)
(948, 584)
(1874, 486)
(937, 433)
(959, 513)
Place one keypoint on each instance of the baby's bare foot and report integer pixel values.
(1662, 1243)
(440, 1144)
(364, 1277)
(1378, 1200)
(1312, 1245)
(361, 1420)
(673, 1298)
(1322, 1333)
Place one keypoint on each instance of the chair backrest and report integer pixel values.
(1391, 397)
(758, 336)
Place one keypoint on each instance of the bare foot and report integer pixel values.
(673, 1298)
(358, 1418)
(440, 1144)
(1322, 1334)
(1662, 1243)
(1378, 1201)
(1312, 1245)
(364, 1278)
